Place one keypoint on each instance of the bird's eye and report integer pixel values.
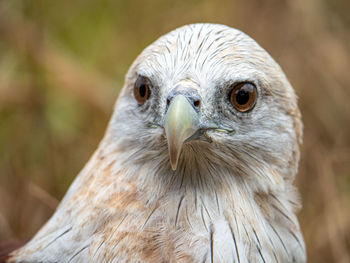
(243, 96)
(142, 89)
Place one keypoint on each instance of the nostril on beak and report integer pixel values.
(197, 103)
(191, 94)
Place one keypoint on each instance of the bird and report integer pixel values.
(197, 163)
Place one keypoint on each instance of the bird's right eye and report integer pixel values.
(142, 89)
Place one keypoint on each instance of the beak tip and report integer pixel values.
(173, 160)
(173, 166)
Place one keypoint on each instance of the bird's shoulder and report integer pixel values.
(6, 247)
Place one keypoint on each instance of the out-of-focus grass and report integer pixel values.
(62, 64)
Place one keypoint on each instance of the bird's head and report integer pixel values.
(207, 100)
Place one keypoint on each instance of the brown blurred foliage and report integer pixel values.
(62, 64)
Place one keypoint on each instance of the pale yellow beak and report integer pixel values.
(181, 122)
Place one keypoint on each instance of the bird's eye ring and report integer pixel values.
(142, 89)
(243, 96)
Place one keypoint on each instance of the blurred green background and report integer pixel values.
(62, 64)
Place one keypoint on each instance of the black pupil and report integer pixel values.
(142, 90)
(242, 97)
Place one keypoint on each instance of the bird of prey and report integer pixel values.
(197, 163)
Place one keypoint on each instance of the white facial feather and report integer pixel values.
(231, 197)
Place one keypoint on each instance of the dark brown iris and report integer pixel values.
(243, 96)
(142, 89)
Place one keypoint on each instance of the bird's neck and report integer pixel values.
(236, 212)
(231, 221)
(196, 178)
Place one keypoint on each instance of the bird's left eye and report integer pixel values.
(243, 96)
(142, 89)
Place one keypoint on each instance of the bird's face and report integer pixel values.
(208, 96)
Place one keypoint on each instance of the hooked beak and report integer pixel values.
(181, 122)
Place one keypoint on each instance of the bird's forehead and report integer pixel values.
(203, 51)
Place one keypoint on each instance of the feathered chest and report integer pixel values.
(200, 228)
(123, 223)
